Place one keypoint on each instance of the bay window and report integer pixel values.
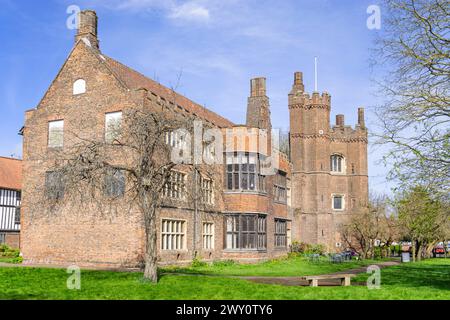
(243, 172)
(245, 232)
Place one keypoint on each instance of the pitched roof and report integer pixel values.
(135, 80)
(10, 173)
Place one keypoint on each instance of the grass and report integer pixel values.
(8, 259)
(284, 267)
(429, 279)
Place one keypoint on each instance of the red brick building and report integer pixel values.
(248, 215)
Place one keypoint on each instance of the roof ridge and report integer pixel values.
(10, 158)
(224, 122)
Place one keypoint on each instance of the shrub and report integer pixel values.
(3, 248)
(298, 247)
(301, 247)
(224, 263)
(198, 263)
(17, 260)
(315, 249)
(6, 251)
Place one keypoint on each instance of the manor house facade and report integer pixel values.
(248, 216)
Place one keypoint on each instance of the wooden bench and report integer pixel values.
(314, 280)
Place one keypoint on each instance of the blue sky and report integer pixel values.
(216, 46)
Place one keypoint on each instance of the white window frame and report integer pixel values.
(79, 87)
(208, 235)
(343, 201)
(173, 240)
(175, 188)
(55, 127)
(113, 125)
(207, 190)
(343, 164)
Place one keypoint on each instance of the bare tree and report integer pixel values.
(413, 57)
(370, 227)
(138, 149)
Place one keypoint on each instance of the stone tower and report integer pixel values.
(329, 178)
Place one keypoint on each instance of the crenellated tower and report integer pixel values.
(329, 178)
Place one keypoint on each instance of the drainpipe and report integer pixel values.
(194, 238)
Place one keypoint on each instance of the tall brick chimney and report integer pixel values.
(87, 27)
(258, 110)
(361, 120)
(298, 82)
(340, 122)
(258, 87)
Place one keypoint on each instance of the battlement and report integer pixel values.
(341, 127)
(348, 133)
(298, 98)
(305, 100)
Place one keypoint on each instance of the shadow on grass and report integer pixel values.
(435, 275)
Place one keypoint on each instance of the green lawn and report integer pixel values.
(425, 280)
(6, 260)
(285, 267)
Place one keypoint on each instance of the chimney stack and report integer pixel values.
(340, 122)
(361, 121)
(258, 87)
(258, 109)
(87, 28)
(298, 83)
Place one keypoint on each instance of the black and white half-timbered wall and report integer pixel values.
(10, 199)
(9, 213)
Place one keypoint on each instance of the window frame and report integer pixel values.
(337, 195)
(280, 233)
(339, 164)
(280, 187)
(182, 235)
(114, 187)
(208, 237)
(207, 194)
(51, 132)
(17, 215)
(242, 237)
(77, 89)
(243, 172)
(54, 194)
(111, 137)
(179, 192)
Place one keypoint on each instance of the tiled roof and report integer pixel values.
(10, 173)
(135, 80)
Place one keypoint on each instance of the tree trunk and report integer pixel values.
(151, 268)
(413, 247)
(419, 251)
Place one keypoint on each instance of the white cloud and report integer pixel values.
(190, 11)
(143, 4)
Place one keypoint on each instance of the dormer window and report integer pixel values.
(337, 163)
(79, 87)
